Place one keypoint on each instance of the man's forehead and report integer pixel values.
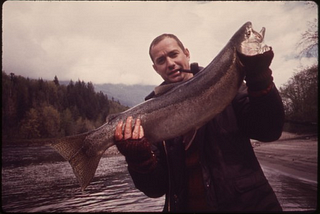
(167, 44)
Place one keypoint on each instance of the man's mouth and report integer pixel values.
(175, 72)
(178, 71)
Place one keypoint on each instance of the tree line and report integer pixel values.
(300, 93)
(300, 98)
(34, 109)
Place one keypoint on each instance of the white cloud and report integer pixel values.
(108, 41)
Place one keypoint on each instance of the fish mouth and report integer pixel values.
(252, 43)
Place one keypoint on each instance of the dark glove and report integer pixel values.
(258, 74)
(138, 153)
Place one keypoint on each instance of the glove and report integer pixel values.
(138, 153)
(258, 74)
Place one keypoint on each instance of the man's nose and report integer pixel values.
(170, 63)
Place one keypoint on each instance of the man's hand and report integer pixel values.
(137, 132)
(258, 74)
(134, 146)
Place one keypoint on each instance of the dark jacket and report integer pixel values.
(232, 176)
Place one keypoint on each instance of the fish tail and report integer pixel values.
(72, 149)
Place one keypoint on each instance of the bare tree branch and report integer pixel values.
(309, 41)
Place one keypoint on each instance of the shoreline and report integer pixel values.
(292, 154)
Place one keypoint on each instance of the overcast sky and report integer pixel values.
(107, 42)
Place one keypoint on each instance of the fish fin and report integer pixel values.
(72, 149)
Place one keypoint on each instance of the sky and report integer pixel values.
(108, 41)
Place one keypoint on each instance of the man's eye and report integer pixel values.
(160, 61)
(173, 54)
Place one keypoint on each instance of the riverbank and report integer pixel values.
(294, 151)
(292, 154)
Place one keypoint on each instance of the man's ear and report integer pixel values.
(187, 53)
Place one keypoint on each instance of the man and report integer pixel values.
(213, 168)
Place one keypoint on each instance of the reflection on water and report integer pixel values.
(294, 194)
(36, 179)
(38, 185)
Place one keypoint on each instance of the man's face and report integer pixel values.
(168, 59)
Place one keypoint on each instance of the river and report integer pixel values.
(36, 179)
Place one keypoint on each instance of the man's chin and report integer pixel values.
(176, 79)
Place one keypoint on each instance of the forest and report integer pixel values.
(33, 109)
(300, 99)
(300, 93)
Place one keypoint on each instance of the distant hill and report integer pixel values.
(128, 95)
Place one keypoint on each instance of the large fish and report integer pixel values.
(186, 106)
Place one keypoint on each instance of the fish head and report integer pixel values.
(250, 42)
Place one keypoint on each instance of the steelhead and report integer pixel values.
(185, 107)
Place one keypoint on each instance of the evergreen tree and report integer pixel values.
(56, 81)
(41, 109)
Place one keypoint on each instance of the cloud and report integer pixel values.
(108, 41)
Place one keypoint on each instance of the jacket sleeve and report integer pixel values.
(153, 183)
(260, 117)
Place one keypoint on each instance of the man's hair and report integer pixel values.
(161, 37)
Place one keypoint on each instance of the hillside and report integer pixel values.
(127, 95)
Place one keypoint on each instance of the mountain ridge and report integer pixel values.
(128, 95)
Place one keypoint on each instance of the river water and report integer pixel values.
(36, 179)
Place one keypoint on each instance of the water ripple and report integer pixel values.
(35, 184)
(35, 179)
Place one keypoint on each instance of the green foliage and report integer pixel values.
(116, 107)
(50, 119)
(44, 109)
(300, 96)
(66, 123)
(29, 127)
